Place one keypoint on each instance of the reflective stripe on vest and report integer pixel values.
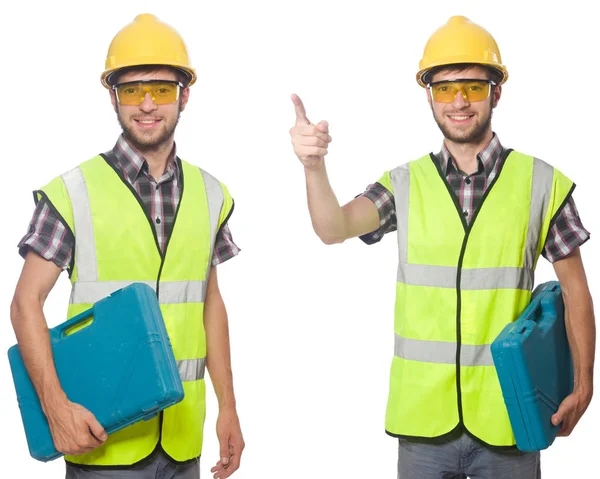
(470, 278)
(442, 352)
(191, 369)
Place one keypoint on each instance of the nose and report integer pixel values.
(148, 104)
(460, 99)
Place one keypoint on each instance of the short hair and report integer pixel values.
(495, 75)
(182, 76)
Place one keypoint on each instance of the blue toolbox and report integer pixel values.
(115, 359)
(534, 366)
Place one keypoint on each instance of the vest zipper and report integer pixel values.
(468, 228)
(162, 254)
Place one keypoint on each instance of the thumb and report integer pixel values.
(96, 428)
(224, 449)
(558, 417)
(323, 126)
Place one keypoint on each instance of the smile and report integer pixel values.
(147, 123)
(460, 118)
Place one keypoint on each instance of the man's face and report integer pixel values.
(148, 126)
(462, 121)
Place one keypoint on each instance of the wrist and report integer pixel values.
(227, 406)
(52, 399)
(316, 169)
(584, 389)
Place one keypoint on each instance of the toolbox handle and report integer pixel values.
(59, 331)
(550, 305)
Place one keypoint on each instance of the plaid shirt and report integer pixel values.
(566, 232)
(49, 237)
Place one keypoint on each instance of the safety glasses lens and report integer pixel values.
(161, 93)
(445, 92)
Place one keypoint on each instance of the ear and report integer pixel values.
(496, 96)
(185, 95)
(113, 100)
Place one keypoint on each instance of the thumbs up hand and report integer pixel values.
(310, 141)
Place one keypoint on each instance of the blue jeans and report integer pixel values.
(464, 457)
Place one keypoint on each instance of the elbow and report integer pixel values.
(16, 310)
(329, 239)
(22, 306)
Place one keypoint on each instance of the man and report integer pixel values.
(472, 222)
(123, 217)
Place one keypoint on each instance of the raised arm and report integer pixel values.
(331, 222)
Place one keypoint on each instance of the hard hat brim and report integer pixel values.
(501, 69)
(105, 78)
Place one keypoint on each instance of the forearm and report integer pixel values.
(218, 357)
(33, 337)
(327, 216)
(581, 333)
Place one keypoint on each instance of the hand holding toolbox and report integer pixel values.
(534, 366)
(120, 367)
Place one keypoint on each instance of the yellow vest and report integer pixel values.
(115, 245)
(458, 286)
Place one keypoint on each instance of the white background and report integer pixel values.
(311, 325)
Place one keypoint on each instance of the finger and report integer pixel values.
(96, 428)
(312, 141)
(236, 457)
(237, 447)
(220, 473)
(301, 118)
(323, 126)
(310, 131)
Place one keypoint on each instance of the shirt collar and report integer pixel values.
(133, 163)
(486, 158)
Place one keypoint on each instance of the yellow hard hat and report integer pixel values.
(147, 41)
(461, 41)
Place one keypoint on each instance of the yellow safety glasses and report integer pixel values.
(133, 93)
(471, 90)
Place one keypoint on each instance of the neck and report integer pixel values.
(157, 157)
(465, 154)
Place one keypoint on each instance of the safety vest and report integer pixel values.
(458, 285)
(116, 245)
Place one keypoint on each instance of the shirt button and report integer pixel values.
(468, 181)
(158, 220)
(466, 213)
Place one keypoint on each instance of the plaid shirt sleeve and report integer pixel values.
(566, 233)
(48, 237)
(225, 248)
(384, 201)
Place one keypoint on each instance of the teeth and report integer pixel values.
(459, 117)
(147, 121)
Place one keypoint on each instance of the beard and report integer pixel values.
(473, 135)
(141, 141)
